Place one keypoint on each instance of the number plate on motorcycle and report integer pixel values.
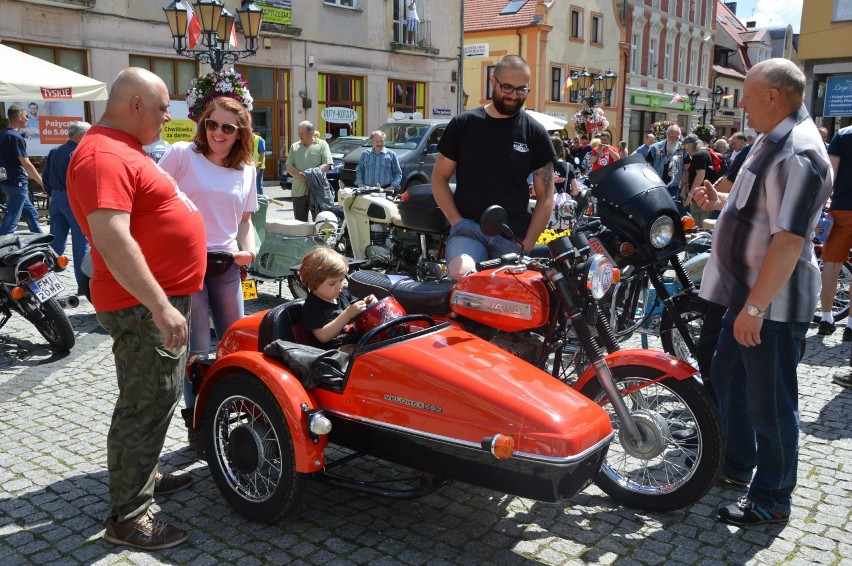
(249, 289)
(46, 287)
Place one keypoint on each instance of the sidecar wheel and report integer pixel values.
(685, 447)
(691, 310)
(250, 451)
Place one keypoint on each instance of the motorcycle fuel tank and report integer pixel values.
(503, 300)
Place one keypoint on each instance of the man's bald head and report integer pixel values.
(773, 89)
(785, 76)
(138, 104)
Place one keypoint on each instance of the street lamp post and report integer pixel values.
(216, 26)
(580, 83)
(718, 92)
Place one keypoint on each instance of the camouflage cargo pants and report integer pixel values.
(150, 382)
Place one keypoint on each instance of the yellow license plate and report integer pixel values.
(249, 289)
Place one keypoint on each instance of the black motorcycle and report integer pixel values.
(30, 287)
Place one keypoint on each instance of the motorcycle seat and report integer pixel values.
(416, 297)
(287, 227)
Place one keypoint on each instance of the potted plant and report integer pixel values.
(659, 128)
(589, 121)
(213, 85)
(705, 132)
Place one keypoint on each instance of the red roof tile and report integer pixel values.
(482, 15)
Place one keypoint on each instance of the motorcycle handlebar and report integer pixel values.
(507, 259)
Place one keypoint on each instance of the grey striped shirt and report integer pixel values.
(782, 186)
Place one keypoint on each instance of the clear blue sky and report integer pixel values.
(771, 13)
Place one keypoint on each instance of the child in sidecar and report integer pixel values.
(330, 308)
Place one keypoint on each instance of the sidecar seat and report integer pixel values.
(283, 322)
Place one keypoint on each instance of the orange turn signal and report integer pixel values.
(616, 275)
(62, 262)
(501, 446)
(687, 222)
(627, 249)
(18, 293)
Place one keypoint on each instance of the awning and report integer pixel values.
(24, 78)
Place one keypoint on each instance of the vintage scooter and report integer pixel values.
(398, 236)
(432, 398)
(283, 243)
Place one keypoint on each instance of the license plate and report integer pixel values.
(47, 287)
(249, 289)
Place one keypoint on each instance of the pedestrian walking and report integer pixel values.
(18, 169)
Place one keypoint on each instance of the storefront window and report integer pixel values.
(407, 97)
(342, 91)
(176, 73)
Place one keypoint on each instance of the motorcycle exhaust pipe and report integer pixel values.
(70, 302)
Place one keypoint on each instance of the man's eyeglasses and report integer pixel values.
(213, 125)
(509, 89)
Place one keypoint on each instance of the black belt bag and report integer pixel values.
(218, 263)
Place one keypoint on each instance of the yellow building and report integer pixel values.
(826, 52)
(555, 38)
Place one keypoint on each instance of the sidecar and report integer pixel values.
(437, 400)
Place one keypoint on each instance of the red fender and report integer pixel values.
(286, 389)
(669, 365)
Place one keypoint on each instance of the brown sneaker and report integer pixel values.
(145, 531)
(168, 483)
(193, 435)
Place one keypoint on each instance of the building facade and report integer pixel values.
(314, 55)
(826, 52)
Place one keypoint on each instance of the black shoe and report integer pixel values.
(826, 328)
(745, 513)
(847, 334)
(842, 380)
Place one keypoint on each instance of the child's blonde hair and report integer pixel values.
(595, 143)
(321, 264)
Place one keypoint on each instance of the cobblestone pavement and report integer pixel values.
(55, 411)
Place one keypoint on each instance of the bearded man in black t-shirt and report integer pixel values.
(492, 150)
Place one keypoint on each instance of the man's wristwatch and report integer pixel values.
(753, 311)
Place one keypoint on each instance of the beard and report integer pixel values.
(507, 107)
(670, 147)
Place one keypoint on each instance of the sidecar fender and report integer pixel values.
(288, 392)
(666, 364)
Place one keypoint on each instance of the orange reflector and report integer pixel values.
(616, 275)
(627, 249)
(502, 446)
(18, 293)
(62, 261)
(687, 222)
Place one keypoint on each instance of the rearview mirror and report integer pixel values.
(493, 221)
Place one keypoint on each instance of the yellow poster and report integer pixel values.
(178, 130)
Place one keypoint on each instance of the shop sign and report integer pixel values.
(658, 102)
(476, 50)
(838, 96)
(441, 111)
(339, 115)
(277, 12)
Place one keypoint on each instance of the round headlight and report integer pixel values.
(662, 231)
(599, 279)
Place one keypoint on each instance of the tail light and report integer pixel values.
(501, 446)
(38, 270)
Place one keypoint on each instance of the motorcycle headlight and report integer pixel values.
(599, 279)
(662, 231)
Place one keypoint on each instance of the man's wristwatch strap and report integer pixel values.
(754, 311)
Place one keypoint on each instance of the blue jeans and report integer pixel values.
(757, 391)
(260, 181)
(61, 222)
(222, 296)
(467, 238)
(17, 204)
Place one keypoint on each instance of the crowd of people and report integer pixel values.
(761, 282)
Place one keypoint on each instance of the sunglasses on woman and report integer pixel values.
(213, 125)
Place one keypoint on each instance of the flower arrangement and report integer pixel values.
(705, 132)
(589, 121)
(212, 85)
(659, 128)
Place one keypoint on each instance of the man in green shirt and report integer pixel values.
(306, 153)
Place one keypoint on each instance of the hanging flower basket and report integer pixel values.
(659, 128)
(589, 121)
(213, 85)
(705, 132)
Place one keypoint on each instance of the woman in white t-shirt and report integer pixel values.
(216, 171)
(412, 21)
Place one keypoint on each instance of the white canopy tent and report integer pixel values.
(549, 122)
(24, 77)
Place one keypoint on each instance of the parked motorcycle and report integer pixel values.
(30, 287)
(432, 398)
(404, 236)
(670, 443)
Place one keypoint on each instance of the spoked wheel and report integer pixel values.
(297, 288)
(691, 310)
(54, 326)
(683, 450)
(250, 451)
(840, 308)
